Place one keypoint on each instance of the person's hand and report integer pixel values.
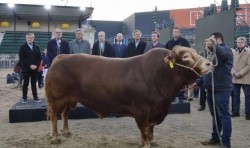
(210, 43)
(194, 85)
(33, 67)
(237, 75)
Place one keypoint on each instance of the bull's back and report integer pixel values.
(95, 80)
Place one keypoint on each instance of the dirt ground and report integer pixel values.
(176, 131)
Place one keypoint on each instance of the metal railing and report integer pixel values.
(8, 60)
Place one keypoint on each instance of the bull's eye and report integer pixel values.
(185, 57)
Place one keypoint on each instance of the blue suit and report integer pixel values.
(119, 50)
(46, 62)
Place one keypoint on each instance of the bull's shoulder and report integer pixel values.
(154, 59)
(157, 52)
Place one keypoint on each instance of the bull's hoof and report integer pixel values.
(146, 146)
(154, 144)
(55, 141)
(66, 134)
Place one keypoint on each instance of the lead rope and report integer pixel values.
(215, 115)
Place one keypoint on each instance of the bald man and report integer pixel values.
(57, 45)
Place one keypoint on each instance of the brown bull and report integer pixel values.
(141, 87)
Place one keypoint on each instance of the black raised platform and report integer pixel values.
(32, 111)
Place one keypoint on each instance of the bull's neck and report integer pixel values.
(173, 80)
(167, 81)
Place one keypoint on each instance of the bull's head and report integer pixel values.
(189, 59)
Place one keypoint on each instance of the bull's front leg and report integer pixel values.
(65, 128)
(54, 132)
(144, 129)
(151, 136)
(144, 136)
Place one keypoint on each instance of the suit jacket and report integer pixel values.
(151, 46)
(241, 64)
(108, 52)
(119, 50)
(131, 50)
(52, 48)
(180, 41)
(29, 57)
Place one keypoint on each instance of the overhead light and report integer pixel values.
(10, 5)
(82, 8)
(47, 7)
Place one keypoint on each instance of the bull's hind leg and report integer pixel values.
(54, 132)
(64, 115)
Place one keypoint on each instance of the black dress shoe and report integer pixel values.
(210, 142)
(201, 109)
(226, 146)
(235, 114)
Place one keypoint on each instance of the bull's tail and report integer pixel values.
(48, 108)
(48, 102)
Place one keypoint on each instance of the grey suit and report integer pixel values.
(150, 45)
(80, 47)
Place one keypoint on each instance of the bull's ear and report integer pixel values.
(170, 59)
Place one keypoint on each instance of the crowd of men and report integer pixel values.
(34, 65)
(232, 69)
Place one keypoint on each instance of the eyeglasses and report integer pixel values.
(240, 42)
(58, 32)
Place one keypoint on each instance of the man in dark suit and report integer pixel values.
(136, 47)
(119, 47)
(57, 46)
(177, 40)
(101, 47)
(30, 57)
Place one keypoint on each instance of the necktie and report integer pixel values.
(31, 46)
(118, 48)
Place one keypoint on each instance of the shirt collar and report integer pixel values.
(155, 43)
(79, 41)
(240, 49)
(137, 41)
